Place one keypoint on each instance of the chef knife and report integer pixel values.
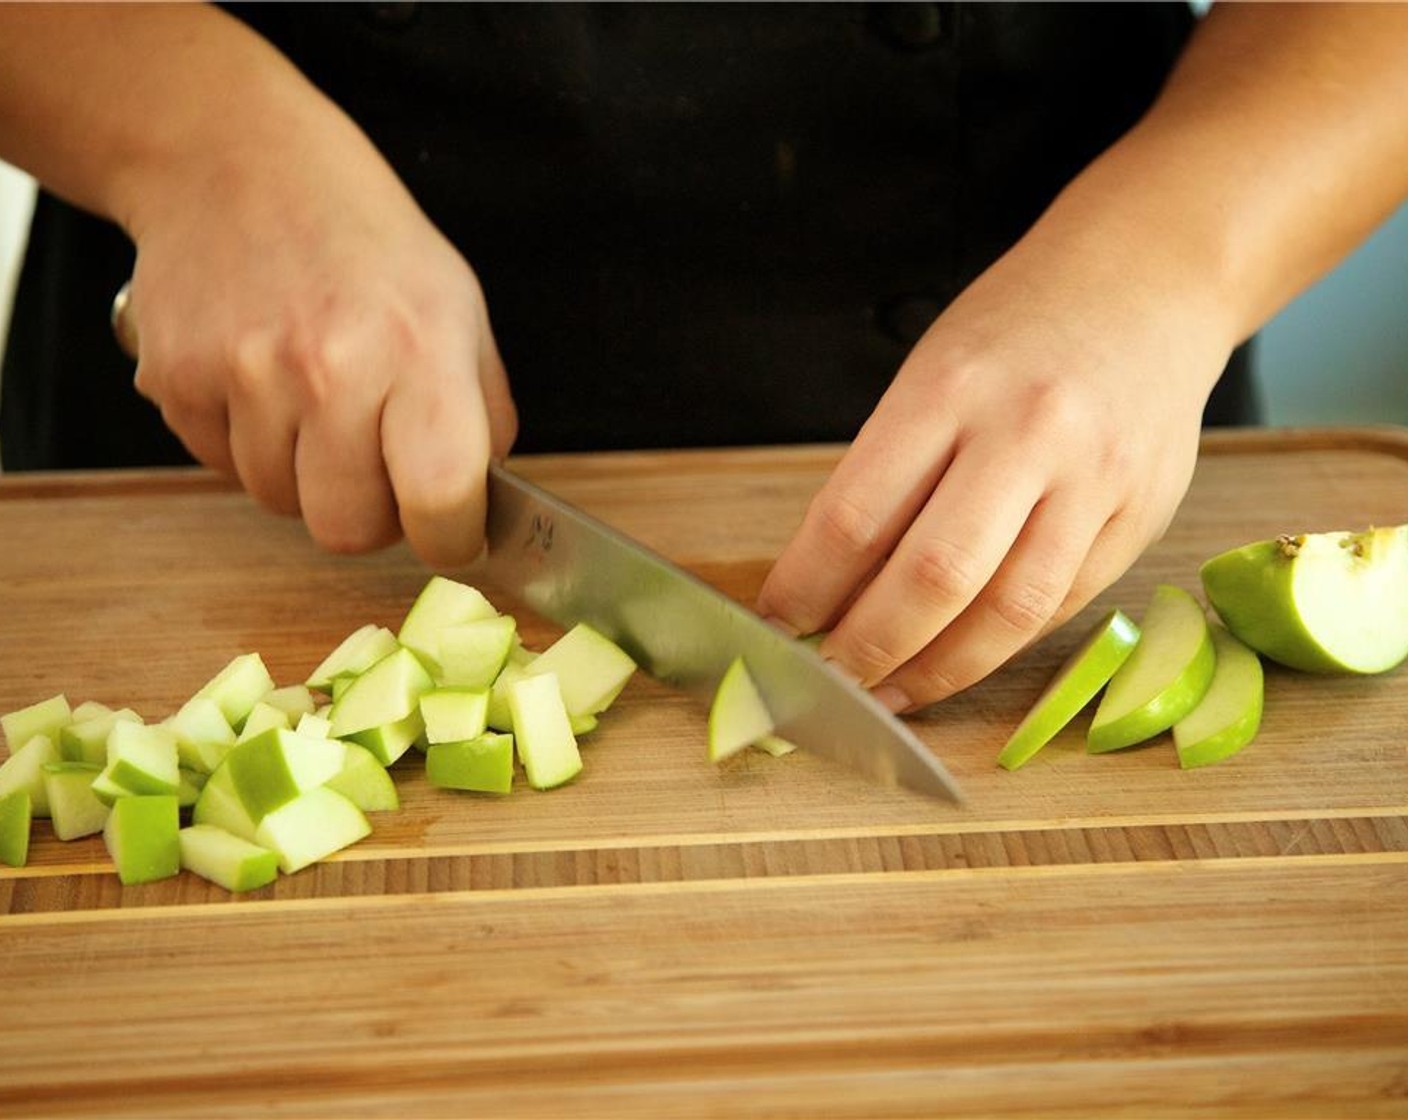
(570, 568)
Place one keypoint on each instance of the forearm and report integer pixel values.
(1279, 143)
(113, 106)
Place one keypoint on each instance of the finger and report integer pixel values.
(263, 420)
(943, 561)
(435, 440)
(860, 514)
(343, 489)
(203, 427)
(499, 408)
(1028, 594)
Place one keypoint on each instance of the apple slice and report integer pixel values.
(1229, 715)
(311, 827)
(386, 693)
(73, 807)
(141, 835)
(1320, 602)
(453, 715)
(738, 716)
(442, 602)
(1083, 674)
(363, 780)
(354, 655)
(277, 766)
(1162, 680)
(48, 718)
(542, 731)
(472, 654)
(24, 769)
(483, 764)
(775, 745)
(591, 669)
(16, 816)
(241, 684)
(225, 859)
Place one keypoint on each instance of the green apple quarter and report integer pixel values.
(738, 715)
(1229, 715)
(1084, 673)
(1320, 602)
(1162, 680)
(226, 859)
(16, 816)
(141, 835)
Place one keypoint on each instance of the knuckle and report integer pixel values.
(1026, 607)
(847, 527)
(867, 657)
(930, 681)
(942, 571)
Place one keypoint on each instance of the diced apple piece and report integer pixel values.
(238, 687)
(314, 726)
(542, 731)
(263, 717)
(363, 780)
(1085, 672)
(591, 669)
(275, 767)
(483, 764)
(143, 760)
(311, 827)
(583, 725)
(386, 693)
(1319, 602)
(48, 718)
(73, 807)
(519, 654)
(141, 835)
(738, 716)
(219, 804)
(1162, 680)
(86, 739)
(89, 709)
(498, 716)
(1229, 715)
(16, 816)
(295, 700)
(225, 859)
(24, 769)
(188, 792)
(391, 740)
(775, 745)
(357, 653)
(441, 603)
(472, 654)
(203, 734)
(452, 715)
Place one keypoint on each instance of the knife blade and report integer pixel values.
(570, 567)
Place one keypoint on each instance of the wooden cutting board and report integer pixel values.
(774, 937)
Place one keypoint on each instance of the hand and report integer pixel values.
(1037, 439)
(305, 328)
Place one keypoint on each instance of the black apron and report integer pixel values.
(695, 224)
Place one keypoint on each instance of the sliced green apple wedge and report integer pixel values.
(542, 731)
(1321, 602)
(1084, 673)
(738, 716)
(1162, 680)
(1229, 715)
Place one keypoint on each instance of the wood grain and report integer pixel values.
(1087, 936)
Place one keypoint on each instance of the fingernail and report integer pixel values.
(893, 697)
(782, 625)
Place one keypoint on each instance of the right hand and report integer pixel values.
(305, 328)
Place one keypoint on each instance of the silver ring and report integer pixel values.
(123, 329)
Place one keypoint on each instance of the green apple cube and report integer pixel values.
(73, 807)
(498, 716)
(141, 835)
(391, 740)
(363, 780)
(442, 602)
(1084, 673)
(16, 816)
(238, 687)
(1320, 602)
(1229, 715)
(340, 684)
(263, 717)
(219, 804)
(591, 669)
(89, 709)
(738, 716)
(542, 731)
(1162, 680)
(356, 653)
(225, 859)
(315, 726)
(519, 654)
(386, 693)
(483, 764)
(203, 734)
(188, 792)
(143, 760)
(454, 714)
(296, 700)
(775, 745)
(86, 738)
(24, 769)
(275, 767)
(583, 725)
(471, 654)
(47, 718)
(311, 827)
